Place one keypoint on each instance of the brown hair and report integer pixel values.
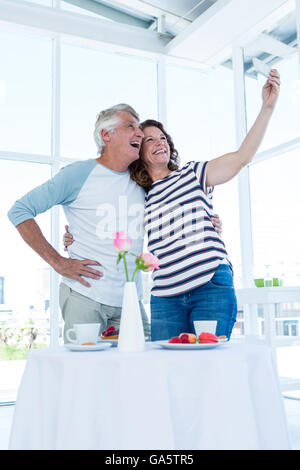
(137, 169)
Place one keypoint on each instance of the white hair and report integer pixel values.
(108, 119)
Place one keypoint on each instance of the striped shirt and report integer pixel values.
(178, 211)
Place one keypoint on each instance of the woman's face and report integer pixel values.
(155, 150)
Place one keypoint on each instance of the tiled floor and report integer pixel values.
(292, 409)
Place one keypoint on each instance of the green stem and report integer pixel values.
(126, 270)
(135, 271)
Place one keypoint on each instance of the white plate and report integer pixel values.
(114, 342)
(190, 347)
(90, 347)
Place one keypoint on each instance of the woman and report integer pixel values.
(195, 280)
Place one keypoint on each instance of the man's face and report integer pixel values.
(127, 137)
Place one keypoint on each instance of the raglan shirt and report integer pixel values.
(97, 202)
(178, 211)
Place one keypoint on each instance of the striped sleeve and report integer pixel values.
(200, 172)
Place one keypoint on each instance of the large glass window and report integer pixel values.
(92, 81)
(276, 47)
(284, 125)
(24, 315)
(275, 220)
(188, 115)
(25, 94)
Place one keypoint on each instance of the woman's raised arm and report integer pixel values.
(224, 168)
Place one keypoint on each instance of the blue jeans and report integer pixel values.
(215, 300)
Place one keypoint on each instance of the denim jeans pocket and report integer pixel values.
(222, 277)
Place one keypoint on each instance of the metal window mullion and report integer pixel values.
(244, 180)
(55, 153)
(250, 312)
(277, 151)
(25, 157)
(161, 90)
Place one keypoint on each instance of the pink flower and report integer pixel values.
(147, 262)
(122, 242)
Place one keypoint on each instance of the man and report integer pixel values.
(99, 199)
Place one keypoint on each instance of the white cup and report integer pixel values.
(84, 333)
(205, 326)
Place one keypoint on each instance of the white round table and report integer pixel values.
(223, 398)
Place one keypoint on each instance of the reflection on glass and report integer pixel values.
(25, 94)
(93, 81)
(25, 280)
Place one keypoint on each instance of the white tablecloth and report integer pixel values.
(224, 398)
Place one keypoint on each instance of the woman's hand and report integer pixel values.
(271, 89)
(67, 238)
(217, 223)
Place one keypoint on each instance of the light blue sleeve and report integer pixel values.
(62, 189)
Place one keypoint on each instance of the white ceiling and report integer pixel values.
(176, 14)
(228, 23)
(201, 33)
(203, 30)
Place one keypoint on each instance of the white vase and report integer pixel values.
(131, 334)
